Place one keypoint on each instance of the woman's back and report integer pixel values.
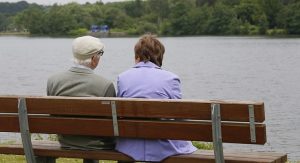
(147, 80)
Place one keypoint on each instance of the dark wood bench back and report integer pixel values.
(137, 118)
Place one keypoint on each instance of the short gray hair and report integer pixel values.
(85, 62)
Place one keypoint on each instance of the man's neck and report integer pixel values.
(82, 66)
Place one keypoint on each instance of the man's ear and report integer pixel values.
(93, 62)
(93, 58)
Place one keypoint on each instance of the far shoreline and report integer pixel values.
(124, 35)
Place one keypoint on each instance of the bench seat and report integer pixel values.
(53, 149)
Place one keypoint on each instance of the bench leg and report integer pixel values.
(40, 159)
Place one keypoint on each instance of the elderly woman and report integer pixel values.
(148, 80)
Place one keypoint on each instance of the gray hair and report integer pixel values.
(86, 62)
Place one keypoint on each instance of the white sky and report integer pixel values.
(50, 2)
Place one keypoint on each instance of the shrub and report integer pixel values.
(275, 31)
(78, 32)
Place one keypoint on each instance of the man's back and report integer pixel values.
(80, 81)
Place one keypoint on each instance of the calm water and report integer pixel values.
(232, 68)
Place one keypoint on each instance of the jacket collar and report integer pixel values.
(147, 64)
(81, 70)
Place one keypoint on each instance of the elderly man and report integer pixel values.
(80, 81)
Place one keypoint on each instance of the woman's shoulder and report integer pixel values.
(154, 71)
(169, 73)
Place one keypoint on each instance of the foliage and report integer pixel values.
(31, 19)
(272, 32)
(145, 27)
(289, 18)
(271, 8)
(59, 21)
(221, 20)
(165, 17)
(134, 8)
(4, 22)
(252, 17)
(12, 8)
(78, 32)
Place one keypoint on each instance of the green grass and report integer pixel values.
(21, 159)
(7, 142)
(203, 145)
(11, 159)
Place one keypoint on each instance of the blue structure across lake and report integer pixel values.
(101, 28)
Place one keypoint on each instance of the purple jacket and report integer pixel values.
(147, 80)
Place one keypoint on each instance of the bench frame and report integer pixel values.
(215, 121)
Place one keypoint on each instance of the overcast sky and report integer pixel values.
(50, 2)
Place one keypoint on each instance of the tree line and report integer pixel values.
(163, 17)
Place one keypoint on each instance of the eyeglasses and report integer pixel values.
(100, 52)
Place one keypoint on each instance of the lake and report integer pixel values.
(228, 68)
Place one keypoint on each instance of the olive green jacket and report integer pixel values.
(81, 82)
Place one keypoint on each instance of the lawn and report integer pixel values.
(21, 159)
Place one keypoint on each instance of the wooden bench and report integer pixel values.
(196, 120)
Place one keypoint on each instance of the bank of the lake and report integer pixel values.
(14, 34)
(122, 34)
(174, 18)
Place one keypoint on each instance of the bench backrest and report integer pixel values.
(136, 118)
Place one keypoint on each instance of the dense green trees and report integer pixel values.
(31, 19)
(165, 17)
(7, 10)
(289, 18)
(12, 8)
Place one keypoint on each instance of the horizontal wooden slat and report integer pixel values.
(143, 108)
(53, 149)
(200, 131)
(207, 156)
(200, 110)
(135, 128)
(8, 104)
